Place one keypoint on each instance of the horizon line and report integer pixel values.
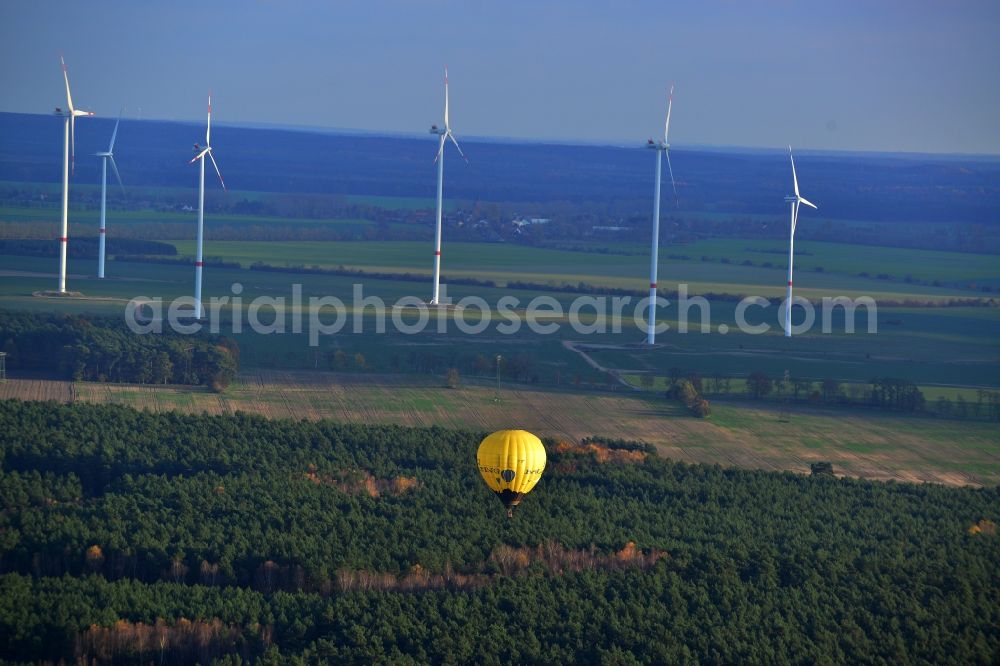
(593, 143)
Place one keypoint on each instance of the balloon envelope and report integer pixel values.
(511, 462)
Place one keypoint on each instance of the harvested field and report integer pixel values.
(865, 444)
(37, 389)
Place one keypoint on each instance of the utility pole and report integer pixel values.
(783, 415)
(496, 397)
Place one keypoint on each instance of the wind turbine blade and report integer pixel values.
(198, 156)
(446, 125)
(208, 127)
(808, 203)
(111, 146)
(69, 97)
(440, 149)
(795, 179)
(452, 137)
(217, 169)
(666, 126)
(114, 167)
(672, 183)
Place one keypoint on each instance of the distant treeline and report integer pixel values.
(84, 247)
(515, 367)
(612, 180)
(908, 279)
(593, 289)
(105, 350)
(886, 393)
(214, 262)
(587, 288)
(374, 275)
(620, 444)
(882, 393)
(942, 202)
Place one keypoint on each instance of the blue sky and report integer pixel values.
(878, 75)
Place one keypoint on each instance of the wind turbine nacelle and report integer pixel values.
(436, 130)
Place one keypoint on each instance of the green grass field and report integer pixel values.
(928, 265)
(950, 268)
(84, 222)
(505, 262)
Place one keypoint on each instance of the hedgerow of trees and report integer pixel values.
(84, 247)
(882, 393)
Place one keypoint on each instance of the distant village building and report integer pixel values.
(526, 221)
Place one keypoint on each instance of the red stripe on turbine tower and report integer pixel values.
(789, 283)
(437, 253)
(199, 263)
(652, 285)
(104, 231)
(63, 239)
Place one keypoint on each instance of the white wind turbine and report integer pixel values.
(445, 134)
(794, 202)
(201, 153)
(662, 148)
(105, 157)
(69, 160)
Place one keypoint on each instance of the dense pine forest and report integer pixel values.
(103, 349)
(128, 536)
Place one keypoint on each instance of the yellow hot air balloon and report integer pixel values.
(511, 462)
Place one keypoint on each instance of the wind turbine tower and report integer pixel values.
(69, 160)
(662, 148)
(793, 201)
(105, 156)
(444, 134)
(202, 152)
